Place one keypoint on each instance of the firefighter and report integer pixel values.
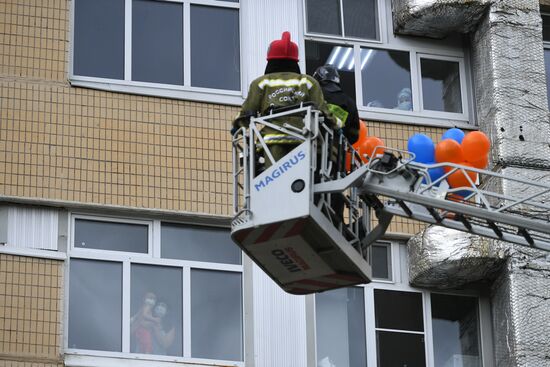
(282, 85)
(343, 107)
(339, 103)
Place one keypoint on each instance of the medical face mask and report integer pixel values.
(150, 301)
(160, 311)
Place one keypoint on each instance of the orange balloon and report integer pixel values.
(459, 179)
(448, 150)
(475, 146)
(363, 133)
(368, 145)
(481, 163)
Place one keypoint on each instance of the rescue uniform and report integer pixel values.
(282, 89)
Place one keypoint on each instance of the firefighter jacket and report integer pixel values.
(280, 90)
(343, 107)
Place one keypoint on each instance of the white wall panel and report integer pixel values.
(279, 324)
(32, 227)
(262, 22)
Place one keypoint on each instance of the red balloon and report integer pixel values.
(448, 150)
(475, 146)
(459, 179)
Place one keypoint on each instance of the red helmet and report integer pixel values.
(283, 49)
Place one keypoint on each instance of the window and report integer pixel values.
(455, 324)
(167, 48)
(381, 261)
(139, 287)
(340, 327)
(346, 18)
(546, 43)
(393, 78)
(392, 324)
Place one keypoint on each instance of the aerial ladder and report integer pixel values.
(284, 214)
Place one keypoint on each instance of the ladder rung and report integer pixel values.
(526, 235)
(434, 214)
(464, 221)
(405, 208)
(495, 228)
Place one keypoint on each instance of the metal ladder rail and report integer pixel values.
(500, 222)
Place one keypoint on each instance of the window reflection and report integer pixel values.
(156, 309)
(95, 305)
(319, 54)
(157, 42)
(340, 327)
(216, 315)
(386, 77)
(455, 331)
(441, 85)
(547, 65)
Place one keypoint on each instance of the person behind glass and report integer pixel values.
(162, 339)
(343, 107)
(142, 324)
(282, 85)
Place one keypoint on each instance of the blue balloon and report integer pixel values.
(436, 173)
(423, 147)
(454, 134)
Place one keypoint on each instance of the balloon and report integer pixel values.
(436, 173)
(423, 148)
(454, 134)
(475, 146)
(481, 163)
(459, 179)
(448, 151)
(363, 132)
(368, 145)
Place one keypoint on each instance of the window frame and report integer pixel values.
(416, 48)
(185, 91)
(545, 45)
(401, 284)
(75, 356)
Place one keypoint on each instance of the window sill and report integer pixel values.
(417, 118)
(217, 96)
(75, 358)
(32, 252)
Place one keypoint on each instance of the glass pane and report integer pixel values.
(398, 310)
(546, 27)
(323, 16)
(547, 65)
(157, 42)
(197, 243)
(111, 236)
(381, 268)
(386, 79)
(216, 315)
(99, 38)
(360, 19)
(319, 54)
(398, 349)
(441, 85)
(340, 322)
(215, 50)
(455, 326)
(156, 310)
(95, 305)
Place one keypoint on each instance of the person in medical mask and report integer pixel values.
(162, 339)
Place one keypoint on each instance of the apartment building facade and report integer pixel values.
(116, 183)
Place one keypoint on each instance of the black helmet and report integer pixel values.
(327, 73)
